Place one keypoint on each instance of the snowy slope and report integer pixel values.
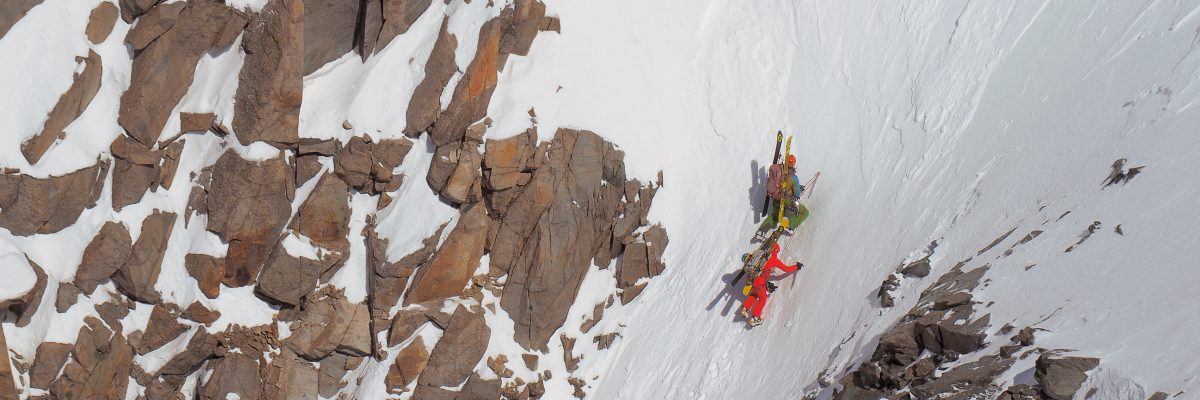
(953, 121)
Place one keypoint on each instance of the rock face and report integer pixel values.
(398, 16)
(102, 258)
(13, 11)
(331, 324)
(427, 97)
(367, 166)
(458, 351)
(30, 205)
(474, 90)
(50, 358)
(574, 196)
(455, 262)
(287, 279)
(248, 205)
(235, 374)
(1060, 377)
(267, 102)
(163, 71)
(329, 31)
(324, 217)
(69, 106)
(139, 274)
(100, 365)
(153, 24)
(291, 378)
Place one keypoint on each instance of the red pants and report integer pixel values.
(756, 300)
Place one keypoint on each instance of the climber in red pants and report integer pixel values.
(757, 298)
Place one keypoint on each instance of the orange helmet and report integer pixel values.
(791, 160)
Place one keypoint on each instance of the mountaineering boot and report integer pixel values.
(754, 321)
(745, 314)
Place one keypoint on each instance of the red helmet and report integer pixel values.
(791, 160)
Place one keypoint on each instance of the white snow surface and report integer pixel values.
(945, 120)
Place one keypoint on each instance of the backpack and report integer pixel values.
(774, 181)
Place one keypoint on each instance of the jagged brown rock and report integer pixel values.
(163, 71)
(287, 279)
(248, 204)
(425, 103)
(132, 9)
(104, 255)
(72, 103)
(234, 374)
(398, 16)
(328, 324)
(169, 164)
(527, 18)
(153, 24)
(200, 347)
(479, 388)
(458, 351)
(199, 313)
(965, 381)
(325, 216)
(1060, 377)
(160, 329)
(333, 368)
(474, 91)
(409, 364)
(290, 378)
(100, 22)
(208, 271)
(455, 262)
(100, 365)
(135, 168)
(504, 160)
(137, 277)
(49, 360)
(13, 11)
(267, 102)
(329, 31)
(27, 305)
(31, 205)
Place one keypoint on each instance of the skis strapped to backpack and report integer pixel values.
(774, 160)
(752, 262)
(787, 150)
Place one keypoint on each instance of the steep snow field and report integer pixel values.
(953, 121)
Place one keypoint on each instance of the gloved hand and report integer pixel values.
(799, 266)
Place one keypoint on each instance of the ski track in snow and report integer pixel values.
(948, 120)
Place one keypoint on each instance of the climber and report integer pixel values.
(783, 187)
(757, 298)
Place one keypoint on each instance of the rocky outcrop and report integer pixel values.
(69, 106)
(248, 204)
(330, 324)
(207, 271)
(329, 31)
(153, 24)
(100, 365)
(49, 360)
(574, 195)
(367, 166)
(455, 262)
(163, 71)
(161, 329)
(137, 277)
(324, 218)
(13, 11)
(458, 351)
(388, 282)
(286, 279)
(642, 259)
(290, 377)
(1060, 377)
(132, 9)
(426, 101)
(267, 102)
(398, 16)
(235, 374)
(474, 91)
(31, 205)
(100, 22)
(106, 253)
(408, 365)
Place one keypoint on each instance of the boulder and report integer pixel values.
(458, 351)
(31, 205)
(199, 313)
(69, 106)
(114, 310)
(455, 262)
(208, 272)
(367, 166)
(267, 102)
(200, 347)
(153, 24)
(919, 268)
(970, 380)
(409, 364)
(505, 159)
(290, 377)
(398, 16)
(135, 168)
(329, 31)
(479, 388)
(325, 216)
(161, 329)
(234, 375)
(137, 277)
(248, 204)
(169, 164)
(1060, 377)
(897, 345)
(405, 324)
(426, 101)
(163, 71)
(66, 297)
(100, 22)
(104, 255)
(287, 279)
(49, 359)
(527, 18)
(328, 324)
(100, 366)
